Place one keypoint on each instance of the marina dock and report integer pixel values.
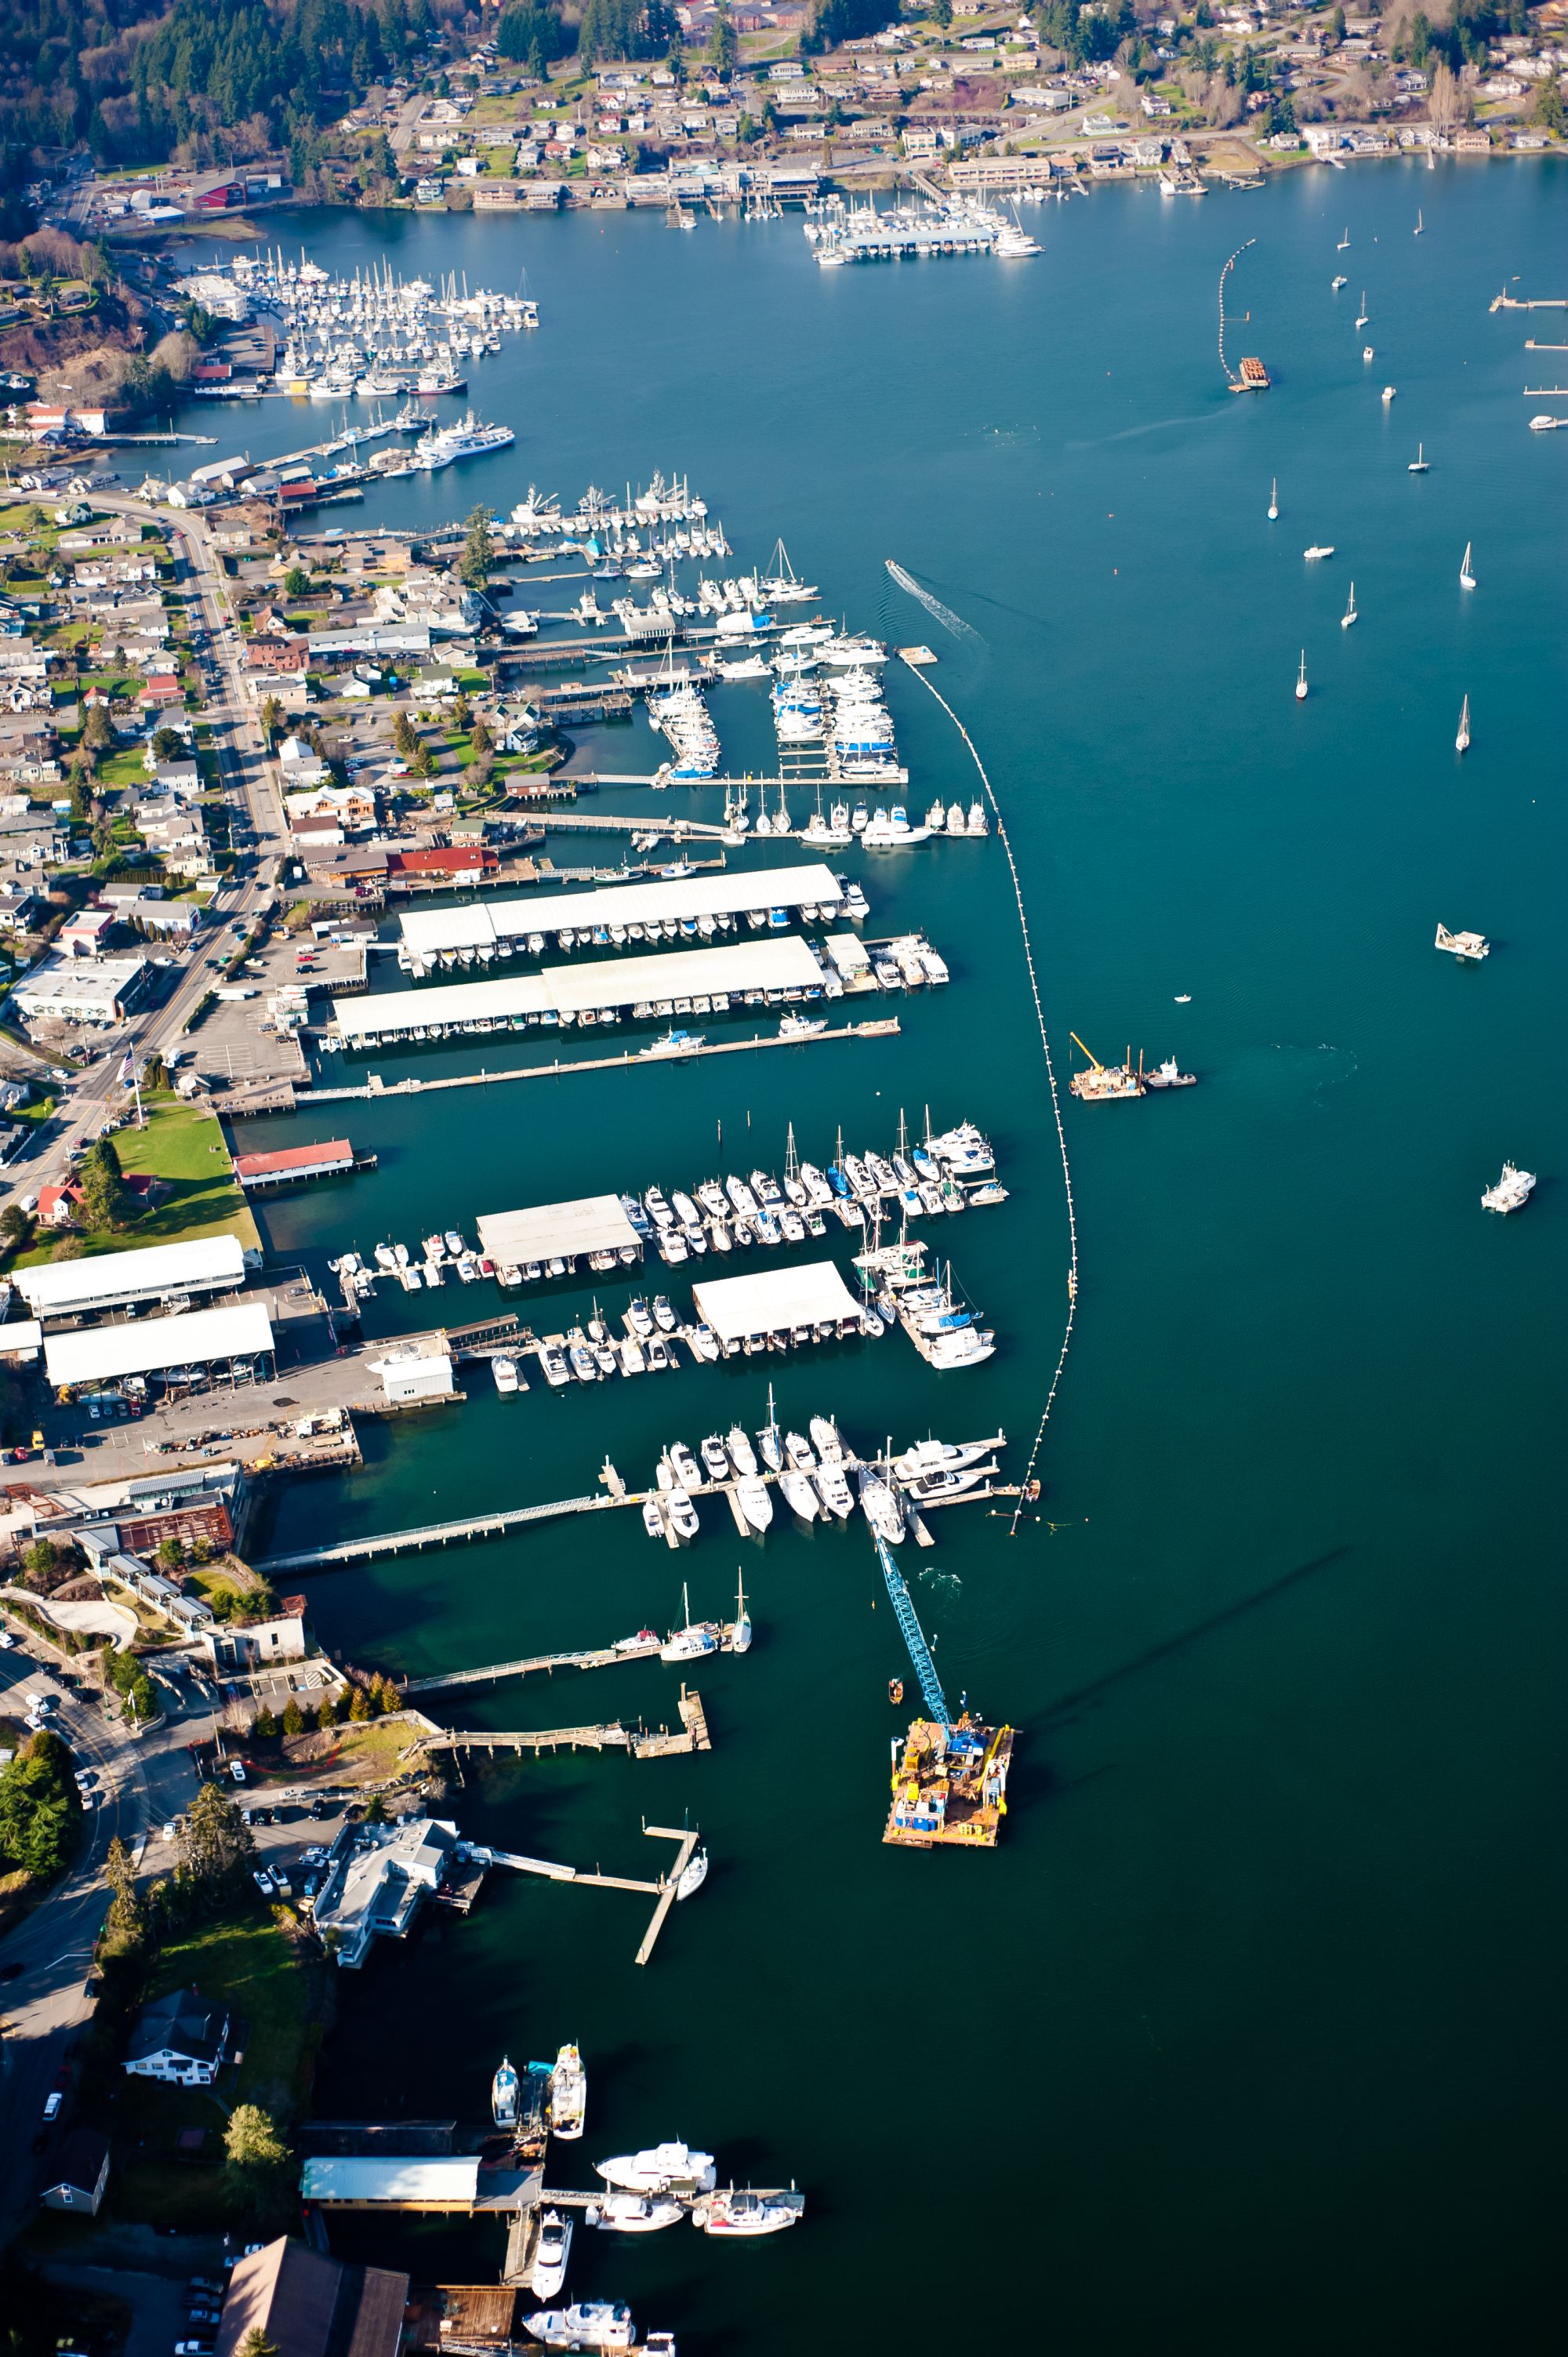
(642, 1742)
(882, 1026)
(663, 1891)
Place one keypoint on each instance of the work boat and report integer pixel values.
(553, 2248)
(503, 2096)
(658, 2167)
(568, 2095)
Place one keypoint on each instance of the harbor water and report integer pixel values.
(1248, 2034)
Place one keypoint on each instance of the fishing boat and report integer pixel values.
(1274, 499)
(1462, 741)
(568, 2095)
(659, 2167)
(1463, 946)
(1349, 615)
(1301, 680)
(1466, 579)
(693, 1875)
(1421, 464)
(548, 2275)
(1512, 1190)
(503, 2096)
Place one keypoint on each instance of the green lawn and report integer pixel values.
(249, 1963)
(184, 1146)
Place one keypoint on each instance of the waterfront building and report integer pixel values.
(381, 1890)
(427, 933)
(162, 1273)
(234, 1340)
(304, 2303)
(81, 990)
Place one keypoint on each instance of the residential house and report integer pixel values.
(178, 2039)
(76, 2179)
(300, 765)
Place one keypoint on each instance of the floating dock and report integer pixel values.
(686, 900)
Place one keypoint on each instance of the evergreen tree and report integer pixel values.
(326, 1713)
(267, 1725)
(292, 1717)
(723, 42)
(217, 1849)
(358, 1705)
(474, 565)
(106, 1202)
(405, 737)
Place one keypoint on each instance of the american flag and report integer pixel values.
(128, 1070)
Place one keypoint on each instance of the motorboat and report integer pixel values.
(634, 2213)
(748, 2213)
(568, 2095)
(741, 1452)
(713, 1458)
(652, 1519)
(754, 1502)
(798, 1494)
(928, 1457)
(826, 1439)
(685, 1465)
(880, 1505)
(507, 1380)
(659, 2167)
(833, 1492)
(504, 2095)
(551, 2253)
(681, 1514)
(586, 2324)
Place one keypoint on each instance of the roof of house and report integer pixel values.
(309, 2305)
(80, 2162)
(183, 2023)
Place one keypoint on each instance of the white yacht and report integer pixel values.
(1317, 550)
(634, 2213)
(506, 1376)
(469, 439)
(928, 1457)
(798, 1494)
(547, 2276)
(1512, 1190)
(693, 1874)
(747, 2213)
(586, 2324)
(756, 1503)
(659, 2167)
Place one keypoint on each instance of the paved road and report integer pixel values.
(248, 782)
(139, 1783)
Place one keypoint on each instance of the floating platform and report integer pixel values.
(949, 1785)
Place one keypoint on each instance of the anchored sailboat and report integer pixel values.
(1301, 680)
(1349, 615)
(1466, 579)
(1462, 741)
(1421, 464)
(1274, 499)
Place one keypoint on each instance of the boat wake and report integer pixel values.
(933, 606)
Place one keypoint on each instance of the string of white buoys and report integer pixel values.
(1055, 1101)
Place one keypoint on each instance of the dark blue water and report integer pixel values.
(1248, 2035)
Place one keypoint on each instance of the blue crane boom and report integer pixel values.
(914, 1637)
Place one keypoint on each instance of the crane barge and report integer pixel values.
(949, 1775)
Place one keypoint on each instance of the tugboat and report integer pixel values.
(1165, 1076)
(503, 2096)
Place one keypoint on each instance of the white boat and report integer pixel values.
(880, 1506)
(1363, 315)
(693, 1874)
(741, 1452)
(1421, 464)
(634, 2213)
(506, 1376)
(756, 1503)
(798, 1494)
(652, 1519)
(467, 439)
(740, 1628)
(1462, 741)
(1463, 946)
(834, 1491)
(826, 1439)
(685, 1465)
(1512, 1190)
(928, 1457)
(547, 2276)
(1317, 550)
(1301, 680)
(587, 2324)
(1349, 615)
(658, 2166)
(1466, 579)
(1389, 393)
(1274, 499)
(681, 1514)
(504, 2095)
(568, 2095)
(747, 2213)
(1368, 353)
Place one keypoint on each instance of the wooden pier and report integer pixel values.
(642, 1742)
(662, 1891)
(630, 1060)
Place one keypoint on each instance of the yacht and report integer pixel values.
(506, 1376)
(833, 1492)
(798, 1494)
(551, 2253)
(681, 1514)
(929, 1457)
(880, 1505)
(469, 439)
(684, 1465)
(713, 1458)
(658, 2167)
(634, 2213)
(742, 1454)
(504, 2095)
(693, 1874)
(754, 1502)
(748, 2213)
(568, 2095)
(1512, 1190)
(1317, 550)
(586, 2324)
(827, 1440)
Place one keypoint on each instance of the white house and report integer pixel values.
(180, 2039)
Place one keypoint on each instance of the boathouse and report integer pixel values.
(594, 1223)
(235, 1340)
(78, 1288)
(675, 900)
(775, 1301)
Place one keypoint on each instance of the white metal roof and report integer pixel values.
(103, 1353)
(592, 1223)
(22, 1339)
(61, 1287)
(454, 2178)
(770, 962)
(774, 1299)
(729, 893)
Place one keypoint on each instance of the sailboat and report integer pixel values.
(1349, 615)
(1462, 742)
(1419, 224)
(1466, 579)
(1343, 242)
(1421, 464)
(740, 1635)
(1301, 680)
(1366, 315)
(1274, 499)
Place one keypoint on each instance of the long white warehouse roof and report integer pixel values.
(774, 1300)
(667, 898)
(779, 962)
(592, 1223)
(210, 1265)
(101, 1354)
(401, 2181)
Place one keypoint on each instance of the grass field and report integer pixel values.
(182, 1145)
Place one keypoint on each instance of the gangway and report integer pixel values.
(914, 1636)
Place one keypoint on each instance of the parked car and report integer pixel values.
(53, 2102)
(262, 1881)
(237, 1770)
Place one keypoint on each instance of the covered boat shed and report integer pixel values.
(671, 899)
(594, 1223)
(156, 1346)
(781, 967)
(450, 2183)
(777, 1301)
(77, 1288)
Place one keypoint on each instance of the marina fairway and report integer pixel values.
(1248, 2035)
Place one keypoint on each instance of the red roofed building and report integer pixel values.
(461, 865)
(58, 1206)
(295, 1162)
